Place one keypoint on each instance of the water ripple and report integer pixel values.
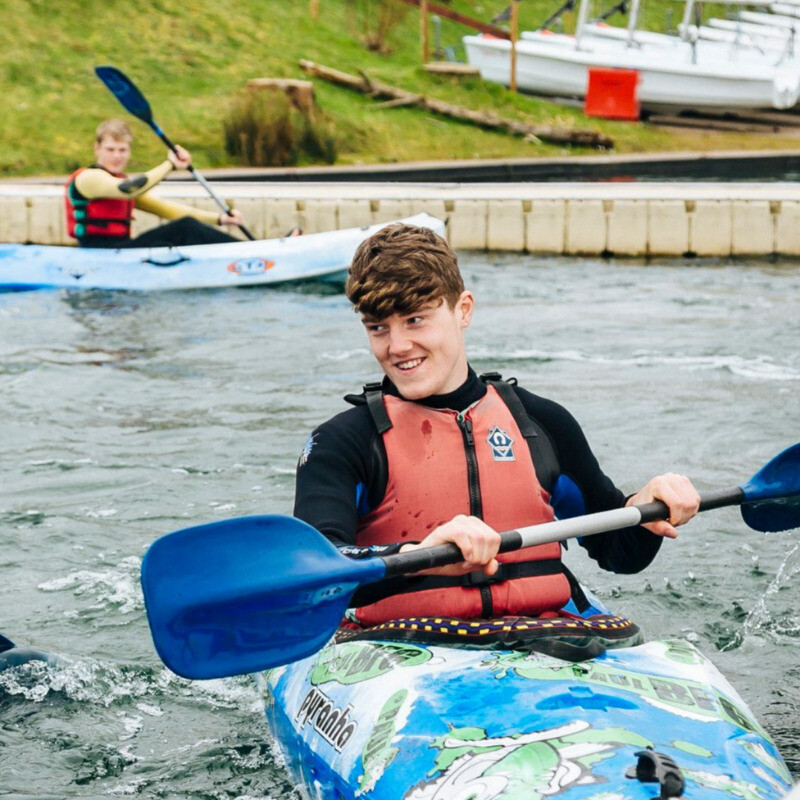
(760, 368)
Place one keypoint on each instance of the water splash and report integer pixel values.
(761, 619)
(104, 684)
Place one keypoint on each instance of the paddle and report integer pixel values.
(124, 89)
(246, 594)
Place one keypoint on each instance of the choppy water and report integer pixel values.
(128, 416)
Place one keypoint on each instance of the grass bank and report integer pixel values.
(191, 58)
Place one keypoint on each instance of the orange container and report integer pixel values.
(612, 94)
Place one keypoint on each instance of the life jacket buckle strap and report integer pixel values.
(478, 578)
(373, 393)
(514, 569)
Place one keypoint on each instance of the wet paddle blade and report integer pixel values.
(5, 644)
(126, 92)
(246, 594)
(772, 495)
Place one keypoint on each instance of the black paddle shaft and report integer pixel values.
(171, 146)
(445, 554)
(201, 180)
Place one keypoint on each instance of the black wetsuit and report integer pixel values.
(342, 475)
(177, 233)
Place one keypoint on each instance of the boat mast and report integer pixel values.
(633, 18)
(687, 14)
(687, 18)
(583, 13)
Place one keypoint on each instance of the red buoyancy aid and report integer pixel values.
(101, 216)
(429, 484)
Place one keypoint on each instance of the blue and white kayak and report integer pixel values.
(316, 256)
(406, 720)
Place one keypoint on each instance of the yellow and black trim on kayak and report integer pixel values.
(568, 637)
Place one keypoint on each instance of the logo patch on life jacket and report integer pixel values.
(501, 444)
(250, 266)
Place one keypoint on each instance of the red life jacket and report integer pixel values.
(101, 216)
(434, 467)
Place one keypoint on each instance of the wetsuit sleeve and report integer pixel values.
(95, 183)
(168, 209)
(333, 477)
(626, 550)
(337, 481)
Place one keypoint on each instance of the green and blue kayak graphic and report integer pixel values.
(403, 721)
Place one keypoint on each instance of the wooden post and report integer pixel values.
(314, 9)
(514, 36)
(423, 29)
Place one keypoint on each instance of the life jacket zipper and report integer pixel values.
(473, 480)
(475, 502)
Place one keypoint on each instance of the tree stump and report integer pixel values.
(299, 93)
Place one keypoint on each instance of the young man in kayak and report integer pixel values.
(100, 200)
(437, 454)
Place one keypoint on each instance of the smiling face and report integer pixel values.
(113, 154)
(423, 352)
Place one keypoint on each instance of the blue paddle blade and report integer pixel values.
(126, 92)
(246, 594)
(5, 644)
(772, 495)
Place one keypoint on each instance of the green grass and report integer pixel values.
(190, 58)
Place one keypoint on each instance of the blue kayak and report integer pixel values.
(316, 256)
(405, 720)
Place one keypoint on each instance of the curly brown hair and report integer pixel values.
(400, 269)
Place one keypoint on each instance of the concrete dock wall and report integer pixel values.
(631, 219)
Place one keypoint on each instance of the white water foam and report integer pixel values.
(104, 684)
(116, 587)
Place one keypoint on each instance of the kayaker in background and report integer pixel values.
(434, 454)
(100, 200)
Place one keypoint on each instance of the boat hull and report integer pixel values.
(390, 720)
(552, 66)
(319, 256)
